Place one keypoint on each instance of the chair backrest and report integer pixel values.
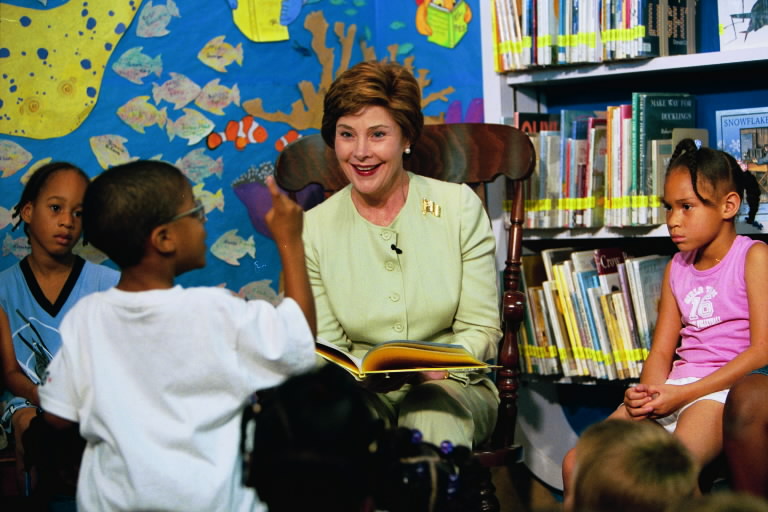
(472, 153)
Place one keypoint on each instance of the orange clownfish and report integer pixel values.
(286, 139)
(242, 133)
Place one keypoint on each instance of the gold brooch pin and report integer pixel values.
(429, 206)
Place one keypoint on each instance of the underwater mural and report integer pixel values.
(218, 88)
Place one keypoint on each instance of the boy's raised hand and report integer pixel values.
(285, 218)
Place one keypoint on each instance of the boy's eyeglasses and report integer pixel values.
(198, 211)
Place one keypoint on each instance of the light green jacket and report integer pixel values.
(442, 287)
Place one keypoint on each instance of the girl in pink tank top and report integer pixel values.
(712, 327)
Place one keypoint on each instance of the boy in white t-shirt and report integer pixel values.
(157, 375)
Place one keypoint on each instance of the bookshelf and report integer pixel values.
(719, 80)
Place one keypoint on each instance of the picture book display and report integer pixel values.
(402, 356)
(742, 24)
(743, 133)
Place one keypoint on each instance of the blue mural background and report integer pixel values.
(270, 71)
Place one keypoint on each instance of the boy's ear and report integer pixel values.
(731, 204)
(162, 240)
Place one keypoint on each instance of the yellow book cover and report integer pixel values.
(626, 335)
(402, 356)
(574, 336)
(619, 356)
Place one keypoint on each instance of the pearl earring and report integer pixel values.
(407, 151)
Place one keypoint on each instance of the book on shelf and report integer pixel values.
(536, 200)
(571, 364)
(661, 153)
(549, 178)
(681, 26)
(583, 281)
(543, 348)
(628, 352)
(654, 115)
(595, 178)
(575, 328)
(573, 141)
(606, 262)
(740, 24)
(629, 306)
(647, 274)
(552, 256)
(624, 181)
(742, 134)
(614, 336)
(598, 316)
(402, 356)
(653, 28)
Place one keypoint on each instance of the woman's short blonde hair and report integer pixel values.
(372, 83)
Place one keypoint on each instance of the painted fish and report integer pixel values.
(192, 126)
(32, 168)
(19, 247)
(6, 217)
(197, 166)
(134, 66)
(286, 139)
(154, 19)
(89, 252)
(110, 150)
(243, 132)
(218, 54)
(13, 157)
(209, 199)
(138, 113)
(179, 90)
(260, 290)
(230, 247)
(214, 98)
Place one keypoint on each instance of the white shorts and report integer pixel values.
(670, 422)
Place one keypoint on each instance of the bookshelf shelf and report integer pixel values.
(698, 62)
(615, 233)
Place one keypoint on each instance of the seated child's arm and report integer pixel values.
(57, 421)
(14, 377)
(285, 221)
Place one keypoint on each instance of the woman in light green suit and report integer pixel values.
(395, 255)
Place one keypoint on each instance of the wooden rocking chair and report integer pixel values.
(471, 153)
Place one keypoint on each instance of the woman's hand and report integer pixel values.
(386, 382)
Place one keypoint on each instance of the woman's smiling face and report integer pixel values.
(369, 146)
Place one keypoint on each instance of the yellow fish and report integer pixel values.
(209, 199)
(138, 113)
(218, 55)
(12, 157)
(230, 247)
(110, 150)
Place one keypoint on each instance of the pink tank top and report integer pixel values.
(715, 312)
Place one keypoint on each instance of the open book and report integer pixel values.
(402, 356)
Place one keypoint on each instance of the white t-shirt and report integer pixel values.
(157, 381)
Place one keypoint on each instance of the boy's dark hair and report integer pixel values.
(125, 203)
(36, 182)
(719, 169)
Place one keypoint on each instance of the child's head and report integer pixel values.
(723, 501)
(714, 174)
(51, 205)
(133, 206)
(631, 466)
